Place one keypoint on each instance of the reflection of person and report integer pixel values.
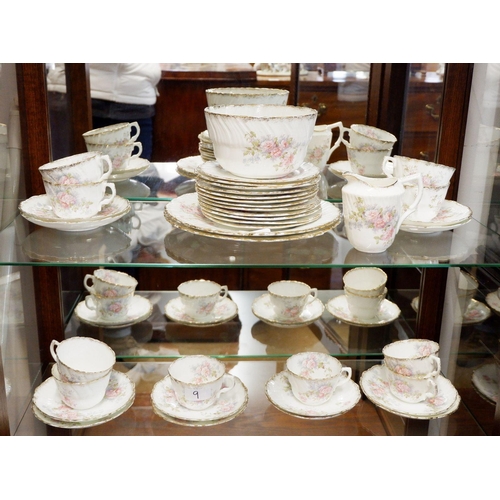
(125, 92)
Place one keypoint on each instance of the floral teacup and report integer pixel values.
(289, 298)
(110, 309)
(412, 357)
(109, 283)
(119, 133)
(199, 297)
(412, 389)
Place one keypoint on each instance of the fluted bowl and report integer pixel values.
(246, 95)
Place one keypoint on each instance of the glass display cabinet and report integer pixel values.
(46, 267)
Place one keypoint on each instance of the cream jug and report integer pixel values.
(320, 148)
(373, 209)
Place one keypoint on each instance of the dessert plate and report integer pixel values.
(120, 395)
(224, 310)
(38, 210)
(477, 312)
(135, 167)
(338, 308)
(485, 381)
(279, 393)
(188, 166)
(184, 212)
(140, 308)
(374, 384)
(229, 405)
(263, 309)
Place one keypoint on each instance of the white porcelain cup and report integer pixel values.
(430, 203)
(314, 376)
(467, 289)
(367, 162)
(198, 381)
(110, 308)
(82, 359)
(365, 281)
(366, 137)
(119, 133)
(412, 357)
(223, 96)
(79, 201)
(289, 298)
(81, 395)
(120, 154)
(364, 307)
(83, 168)
(412, 389)
(109, 283)
(433, 174)
(199, 297)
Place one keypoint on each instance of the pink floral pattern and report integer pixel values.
(281, 150)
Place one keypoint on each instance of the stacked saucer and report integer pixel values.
(206, 147)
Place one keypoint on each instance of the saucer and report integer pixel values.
(485, 381)
(140, 308)
(493, 300)
(279, 393)
(229, 405)
(339, 168)
(338, 308)
(224, 310)
(135, 167)
(374, 384)
(38, 210)
(188, 166)
(263, 309)
(477, 312)
(48, 406)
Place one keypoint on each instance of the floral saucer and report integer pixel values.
(338, 308)
(48, 406)
(187, 167)
(140, 308)
(485, 381)
(224, 310)
(279, 393)
(263, 309)
(375, 386)
(229, 405)
(38, 210)
(135, 167)
(477, 312)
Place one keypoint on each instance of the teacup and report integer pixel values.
(110, 308)
(119, 133)
(81, 168)
(198, 381)
(109, 283)
(363, 307)
(314, 376)
(365, 281)
(412, 389)
(365, 161)
(82, 359)
(224, 96)
(412, 357)
(430, 203)
(467, 288)
(433, 174)
(289, 298)
(320, 146)
(120, 154)
(79, 201)
(199, 297)
(366, 137)
(81, 395)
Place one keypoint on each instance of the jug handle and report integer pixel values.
(416, 201)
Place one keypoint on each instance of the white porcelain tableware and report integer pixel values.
(79, 201)
(412, 357)
(367, 162)
(119, 133)
(433, 174)
(369, 138)
(288, 298)
(412, 389)
(199, 380)
(373, 210)
(467, 288)
(320, 146)
(120, 155)
(81, 395)
(83, 168)
(109, 283)
(365, 281)
(314, 376)
(429, 205)
(260, 141)
(363, 307)
(224, 96)
(199, 297)
(113, 309)
(82, 359)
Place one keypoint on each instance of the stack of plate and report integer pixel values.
(281, 203)
(206, 147)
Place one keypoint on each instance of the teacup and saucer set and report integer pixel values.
(364, 302)
(288, 304)
(198, 392)
(112, 302)
(79, 196)
(408, 383)
(84, 389)
(201, 303)
(313, 386)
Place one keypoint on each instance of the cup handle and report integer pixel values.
(341, 128)
(313, 294)
(106, 159)
(346, 373)
(436, 360)
(88, 277)
(53, 345)
(228, 382)
(223, 292)
(416, 201)
(388, 166)
(107, 200)
(89, 302)
(137, 145)
(432, 390)
(137, 132)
